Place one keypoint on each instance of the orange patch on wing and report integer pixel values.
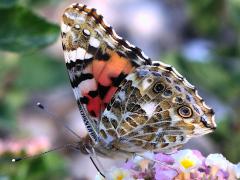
(103, 71)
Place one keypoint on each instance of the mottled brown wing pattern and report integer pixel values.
(155, 109)
(97, 60)
(127, 103)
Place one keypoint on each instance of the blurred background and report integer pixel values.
(201, 39)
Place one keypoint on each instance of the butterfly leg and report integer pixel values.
(97, 167)
(93, 154)
(156, 161)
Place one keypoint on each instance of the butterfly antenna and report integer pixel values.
(41, 154)
(42, 107)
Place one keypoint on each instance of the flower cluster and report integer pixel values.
(28, 146)
(183, 164)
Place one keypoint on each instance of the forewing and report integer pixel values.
(97, 61)
(155, 109)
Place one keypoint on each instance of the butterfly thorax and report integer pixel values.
(112, 150)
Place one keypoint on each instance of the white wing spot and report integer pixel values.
(146, 83)
(94, 42)
(88, 56)
(77, 93)
(80, 53)
(144, 55)
(71, 56)
(65, 28)
(122, 95)
(86, 32)
(77, 26)
(149, 108)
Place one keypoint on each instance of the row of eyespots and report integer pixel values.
(185, 82)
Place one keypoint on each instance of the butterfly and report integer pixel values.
(129, 103)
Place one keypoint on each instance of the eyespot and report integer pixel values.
(86, 32)
(185, 111)
(158, 87)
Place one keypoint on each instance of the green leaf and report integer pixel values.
(206, 16)
(50, 166)
(39, 72)
(21, 30)
(7, 3)
(34, 3)
(24, 74)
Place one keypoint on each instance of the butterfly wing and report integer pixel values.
(155, 109)
(97, 61)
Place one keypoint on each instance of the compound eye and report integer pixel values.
(158, 87)
(185, 111)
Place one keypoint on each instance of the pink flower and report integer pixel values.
(36, 146)
(28, 146)
(164, 158)
(163, 171)
(129, 165)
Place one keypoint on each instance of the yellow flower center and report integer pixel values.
(120, 177)
(187, 163)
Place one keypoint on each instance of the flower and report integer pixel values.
(164, 158)
(36, 146)
(186, 160)
(28, 146)
(119, 174)
(163, 171)
(183, 164)
(237, 170)
(217, 160)
(220, 166)
(99, 177)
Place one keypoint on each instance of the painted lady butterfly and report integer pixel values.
(129, 103)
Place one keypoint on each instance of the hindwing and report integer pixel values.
(155, 109)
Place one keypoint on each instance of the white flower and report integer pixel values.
(217, 160)
(186, 160)
(237, 170)
(119, 174)
(147, 155)
(99, 177)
